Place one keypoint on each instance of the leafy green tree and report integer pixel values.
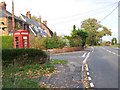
(39, 42)
(74, 32)
(93, 26)
(75, 39)
(114, 41)
(83, 34)
(54, 42)
(78, 37)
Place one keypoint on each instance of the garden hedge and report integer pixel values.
(23, 56)
(7, 41)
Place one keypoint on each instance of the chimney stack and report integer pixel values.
(39, 19)
(28, 15)
(3, 5)
(45, 22)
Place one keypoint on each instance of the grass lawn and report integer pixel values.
(28, 76)
(115, 45)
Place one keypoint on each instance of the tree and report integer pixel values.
(54, 42)
(83, 34)
(74, 32)
(39, 42)
(78, 37)
(93, 26)
(114, 41)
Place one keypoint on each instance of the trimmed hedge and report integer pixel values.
(23, 56)
(6, 41)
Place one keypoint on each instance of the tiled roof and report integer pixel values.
(30, 21)
(5, 13)
(51, 33)
(34, 26)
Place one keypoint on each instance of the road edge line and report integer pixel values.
(86, 79)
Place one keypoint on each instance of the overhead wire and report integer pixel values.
(78, 17)
(79, 14)
(108, 14)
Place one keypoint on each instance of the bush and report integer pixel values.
(6, 41)
(55, 42)
(37, 42)
(23, 56)
(75, 42)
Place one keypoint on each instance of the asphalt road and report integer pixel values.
(102, 63)
(103, 67)
(69, 76)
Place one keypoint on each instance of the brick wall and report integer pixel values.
(3, 32)
(65, 49)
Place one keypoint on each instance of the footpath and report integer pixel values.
(69, 75)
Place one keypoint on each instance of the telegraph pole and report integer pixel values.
(119, 22)
(13, 18)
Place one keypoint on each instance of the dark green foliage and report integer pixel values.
(54, 42)
(114, 41)
(78, 37)
(83, 34)
(95, 35)
(7, 41)
(75, 42)
(23, 56)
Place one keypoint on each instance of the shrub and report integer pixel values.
(23, 56)
(54, 42)
(6, 41)
(37, 42)
(74, 42)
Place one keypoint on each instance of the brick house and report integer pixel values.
(45, 27)
(6, 21)
(37, 28)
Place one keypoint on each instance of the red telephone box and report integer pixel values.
(21, 39)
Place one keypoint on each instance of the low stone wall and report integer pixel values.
(65, 49)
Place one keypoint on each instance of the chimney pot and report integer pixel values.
(39, 19)
(45, 22)
(3, 5)
(28, 15)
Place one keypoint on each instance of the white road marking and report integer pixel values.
(86, 67)
(89, 78)
(88, 73)
(113, 53)
(93, 49)
(84, 54)
(91, 84)
(84, 61)
(110, 51)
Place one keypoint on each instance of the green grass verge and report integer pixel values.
(56, 61)
(28, 76)
(115, 45)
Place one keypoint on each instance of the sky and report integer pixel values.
(61, 15)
